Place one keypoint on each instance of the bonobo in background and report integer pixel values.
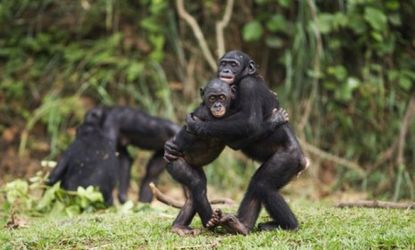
(188, 153)
(89, 161)
(130, 126)
(278, 151)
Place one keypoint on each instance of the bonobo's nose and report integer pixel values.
(226, 71)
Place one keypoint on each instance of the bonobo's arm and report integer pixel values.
(277, 118)
(60, 169)
(245, 121)
(174, 147)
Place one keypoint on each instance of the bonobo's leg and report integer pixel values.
(186, 214)
(194, 180)
(107, 194)
(275, 173)
(59, 171)
(124, 173)
(154, 168)
(282, 216)
(272, 175)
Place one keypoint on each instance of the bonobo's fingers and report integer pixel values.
(171, 148)
(279, 116)
(169, 158)
(171, 151)
(191, 118)
(284, 114)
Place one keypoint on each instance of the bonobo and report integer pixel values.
(279, 151)
(188, 153)
(89, 161)
(129, 126)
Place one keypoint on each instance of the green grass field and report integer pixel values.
(322, 227)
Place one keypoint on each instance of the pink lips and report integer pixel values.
(228, 80)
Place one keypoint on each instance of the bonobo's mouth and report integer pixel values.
(218, 113)
(227, 79)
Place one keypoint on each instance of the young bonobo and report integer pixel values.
(279, 151)
(89, 161)
(129, 126)
(197, 151)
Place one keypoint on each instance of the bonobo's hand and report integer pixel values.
(194, 124)
(278, 117)
(171, 151)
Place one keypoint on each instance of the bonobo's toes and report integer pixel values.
(122, 198)
(184, 230)
(232, 224)
(215, 220)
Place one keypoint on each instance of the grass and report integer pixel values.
(322, 227)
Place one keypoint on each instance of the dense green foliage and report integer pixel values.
(322, 227)
(344, 69)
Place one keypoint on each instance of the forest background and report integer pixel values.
(345, 71)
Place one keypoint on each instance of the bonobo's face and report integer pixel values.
(235, 65)
(94, 116)
(217, 96)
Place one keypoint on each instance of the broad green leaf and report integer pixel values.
(16, 189)
(48, 197)
(252, 31)
(284, 3)
(338, 71)
(134, 70)
(375, 18)
(405, 82)
(277, 23)
(325, 22)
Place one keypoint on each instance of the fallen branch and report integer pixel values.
(334, 158)
(177, 204)
(198, 33)
(376, 204)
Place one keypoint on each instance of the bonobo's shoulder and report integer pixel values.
(251, 83)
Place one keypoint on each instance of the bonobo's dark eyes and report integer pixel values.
(212, 98)
(234, 64)
(222, 63)
(222, 97)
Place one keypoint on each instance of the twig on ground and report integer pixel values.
(376, 204)
(177, 204)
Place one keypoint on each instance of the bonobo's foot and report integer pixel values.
(228, 221)
(146, 196)
(122, 198)
(215, 220)
(185, 230)
(272, 225)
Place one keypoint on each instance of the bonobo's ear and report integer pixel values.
(202, 92)
(251, 68)
(233, 92)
